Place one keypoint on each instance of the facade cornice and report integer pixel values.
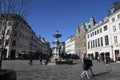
(101, 23)
(14, 17)
(114, 13)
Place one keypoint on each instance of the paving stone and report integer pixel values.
(61, 72)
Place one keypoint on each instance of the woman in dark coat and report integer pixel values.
(85, 68)
(90, 64)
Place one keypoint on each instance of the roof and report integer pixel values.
(87, 25)
(114, 7)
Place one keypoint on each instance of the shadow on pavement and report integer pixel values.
(103, 73)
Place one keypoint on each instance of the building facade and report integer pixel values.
(114, 22)
(102, 38)
(70, 45)
(22, 39)
(80, 39)
(62, 48)
(99, 40)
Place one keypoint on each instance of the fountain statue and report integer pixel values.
(56, 47)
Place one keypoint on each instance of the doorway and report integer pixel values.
(96, 55)
(12, 54)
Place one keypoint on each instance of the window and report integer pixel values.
(119, 26)
(115, 40)
(93, 43)
(15, 33)
(90, 34)
(100, 30)
(88, 45)
(97, 31)
(105, 28)
(114, 28)
(112, 10)
(106, 40)
(93, 33)
(113, 19)
(101, 41)
(118, 16)
(98, 42)
(13, 43)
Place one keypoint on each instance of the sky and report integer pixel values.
(46, 16)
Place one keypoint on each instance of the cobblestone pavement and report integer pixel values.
(61, 72)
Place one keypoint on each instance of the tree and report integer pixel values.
(7, 8)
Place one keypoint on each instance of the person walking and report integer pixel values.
(40, 57)
(107, 59)
(90, 64)
(85, 68)
(47, 60)
(31, 58)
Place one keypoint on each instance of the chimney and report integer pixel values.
(92, 21)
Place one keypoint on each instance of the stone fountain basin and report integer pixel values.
(64, 62)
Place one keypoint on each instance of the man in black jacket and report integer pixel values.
(85, 68)
(90, 64)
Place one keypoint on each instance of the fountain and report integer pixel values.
(56, 58)
(56, 48)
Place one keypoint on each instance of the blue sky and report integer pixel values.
(47, 15)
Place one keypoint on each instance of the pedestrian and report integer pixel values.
(107, 59)
(31, 58)
(47, 60)
(40, 57)
(90, 64)
(85, 68)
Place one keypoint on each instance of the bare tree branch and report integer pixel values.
(9, 7)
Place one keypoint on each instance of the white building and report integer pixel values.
(99, 40)
(114, 22)
(103, 39)
(70, 45)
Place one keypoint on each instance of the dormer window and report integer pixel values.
(114, 7)
(113, 19)
(112, 10)
(118, 16)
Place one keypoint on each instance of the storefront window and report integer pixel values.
(117, 55)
